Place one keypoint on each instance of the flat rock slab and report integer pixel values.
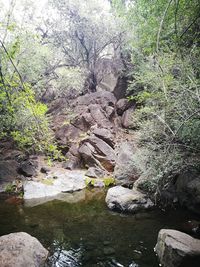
(127, 200)
(57, 182)
(21, 250)
(175, 249)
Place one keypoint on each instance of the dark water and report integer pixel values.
(88, 234)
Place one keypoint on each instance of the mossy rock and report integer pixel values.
(100, 182)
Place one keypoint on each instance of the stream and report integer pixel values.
(87, 234)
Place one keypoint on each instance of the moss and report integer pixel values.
(108, 181)
(10, 188)
(47, 181)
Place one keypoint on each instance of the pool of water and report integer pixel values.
(88, 234)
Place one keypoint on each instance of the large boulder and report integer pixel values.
(127, 119)
(55, 183)
(177, 249)
(95, 152)
(127, 200)
(124, 170)
(21, 250)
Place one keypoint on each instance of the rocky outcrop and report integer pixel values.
(21, 250)
(177, 249)
(127, 200)
(54, 184)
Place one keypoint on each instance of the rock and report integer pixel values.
(72, 162)
(127, 119)
(188, 190)
(66, 181)
(8, 170)
(102, 98)
(127, 200)
(100, 117)
(65, 197)
(21, 250)
(44, 169)
(28, 168)
(96, 152)
(106, 135)
(121, 106)
(176, 249)
(124, 170)
(66, 134)
(95, 172)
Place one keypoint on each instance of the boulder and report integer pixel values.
(21, 250)
(122, 105)
(177, 249)
(56, 182)
(106, 135)
(28, 168)
(96, 152)
(8, 170)
(127, 200)
(127, 119)
(100, 117)
(95, 172)
(102, 98)
(124, 170)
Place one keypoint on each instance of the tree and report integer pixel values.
(84, 32)
(165, 52)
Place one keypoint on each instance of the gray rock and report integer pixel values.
(106, 135)
(21, 250)
(124, 170)
(95, 152)
(121, 106)
(95, 172)
(127, 200)
(128, 119)
(176, 249)
(8, 170)
(67, 181)
(28, 168)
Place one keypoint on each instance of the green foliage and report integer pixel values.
(166, 86)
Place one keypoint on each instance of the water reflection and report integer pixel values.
(88, 234)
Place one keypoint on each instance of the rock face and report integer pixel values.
(177, 249)
(127, 200)
(21, 250)
(57, 182)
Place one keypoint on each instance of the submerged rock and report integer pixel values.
(21, 250)
(176, 249)
(127, 200)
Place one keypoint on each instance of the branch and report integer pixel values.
(161, 24)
